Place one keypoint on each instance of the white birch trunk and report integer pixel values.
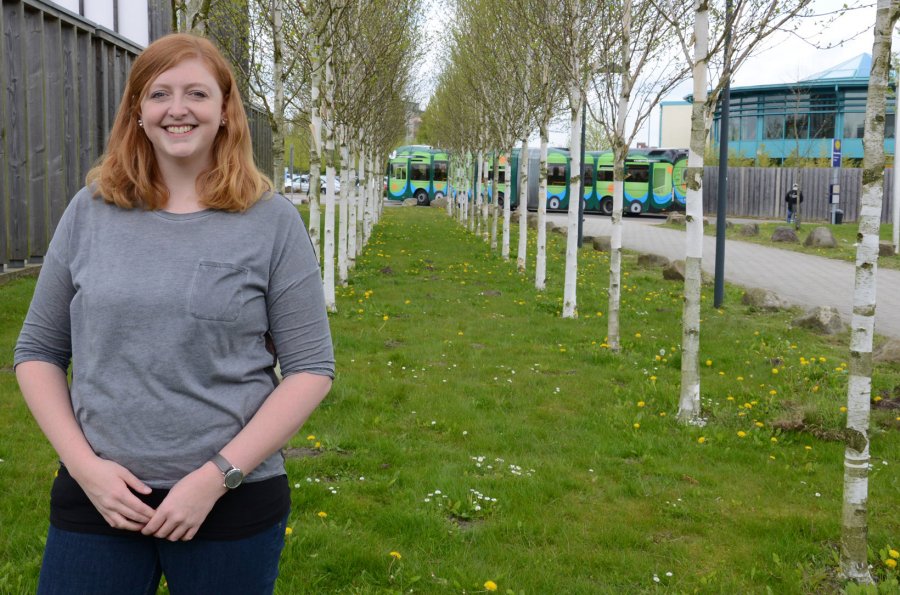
(522, 191)
(540, 266)
(476, 206)
(315, 146)
(367, 215)
(495, 199)
(689, 401)
(570, 304)
(361, 191)
(278, 102)
(854, 526)
(343, 208)
(620, 152)
(328, 257)
(507, 209)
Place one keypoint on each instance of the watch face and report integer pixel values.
(233, 478)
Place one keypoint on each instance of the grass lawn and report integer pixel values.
(844, 234)
(472, 435)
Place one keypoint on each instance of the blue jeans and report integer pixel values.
(84, 563)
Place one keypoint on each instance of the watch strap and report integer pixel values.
(222, 463)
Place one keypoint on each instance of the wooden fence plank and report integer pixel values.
(4, 153)
(36, 165)
(56, 131)
(13, 31)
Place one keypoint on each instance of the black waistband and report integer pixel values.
(240, 513)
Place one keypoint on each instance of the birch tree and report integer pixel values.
(751, 22)
(639, 72)
(854, 525)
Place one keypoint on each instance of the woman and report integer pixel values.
(169, 279)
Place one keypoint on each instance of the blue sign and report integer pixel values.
(836, 152)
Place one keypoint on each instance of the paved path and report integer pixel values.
(801, 279)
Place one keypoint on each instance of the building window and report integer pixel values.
(854, 125)
(821, 125)
(734, 129)
(748, 128)
(774, 127)
(889, 126)
(797, 126)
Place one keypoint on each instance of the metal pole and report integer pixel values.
(722, 205)
(581, 178)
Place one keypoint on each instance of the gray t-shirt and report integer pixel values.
(164, 318)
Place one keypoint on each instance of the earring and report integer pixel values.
(224, 121)
(140, 123)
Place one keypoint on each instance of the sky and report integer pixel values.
(783, 58)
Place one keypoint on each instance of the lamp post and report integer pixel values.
(722, 204)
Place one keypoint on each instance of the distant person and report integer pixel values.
(793, 199)
(170, 281)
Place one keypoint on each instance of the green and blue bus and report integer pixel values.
(654, 180)
(418, 171)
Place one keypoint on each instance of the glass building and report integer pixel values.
(801, 119)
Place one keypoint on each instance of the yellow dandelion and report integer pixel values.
(460, 333)
(708, 362)
(729, 398)
(774, 370)
(773, 439)
(311, 437)
(742, 434)
(396, 555)
(662, 413)
(318, 444)
(815, 389)
(407, 302)
(637, 426)
(637, 335)
(822, 360)
(876, 399)
(322, 514)
(652, 379)
(894, 554)
(740, 378)
(773, 392)
(701, 440)
(490, 586)
(843, 409)
(807, 447)
(890, 563)
(385, 317)
(759, 424)
(640, 403)
(288, 530)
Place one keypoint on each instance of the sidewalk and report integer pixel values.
(800, 279)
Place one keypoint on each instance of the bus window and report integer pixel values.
(588, 175)
(605, 174)
(662, 179)
(637, 173)
(440, 171)
(398, 171)
(556, 174)
(502, 175)
(418, 172)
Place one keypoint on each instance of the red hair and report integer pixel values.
(128, 175)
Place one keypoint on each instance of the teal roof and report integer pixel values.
(857, 67)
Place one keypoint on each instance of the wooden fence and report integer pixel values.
(759, 192)
(61, 79)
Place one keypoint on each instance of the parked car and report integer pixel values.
(337, 184)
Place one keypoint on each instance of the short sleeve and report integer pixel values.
(298, 321)
(46, 333)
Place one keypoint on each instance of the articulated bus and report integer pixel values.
(418, 171)
(654, 180)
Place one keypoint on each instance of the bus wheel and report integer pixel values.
(553, 203)
(438, 195)
(421, 198)
(500, 199)
(635, 208)
(606, 205)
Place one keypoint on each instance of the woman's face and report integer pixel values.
(182, 112)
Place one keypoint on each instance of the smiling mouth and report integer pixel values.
(179, 129)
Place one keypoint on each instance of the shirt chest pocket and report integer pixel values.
(217, 291)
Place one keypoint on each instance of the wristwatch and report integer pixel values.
(233, 475)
